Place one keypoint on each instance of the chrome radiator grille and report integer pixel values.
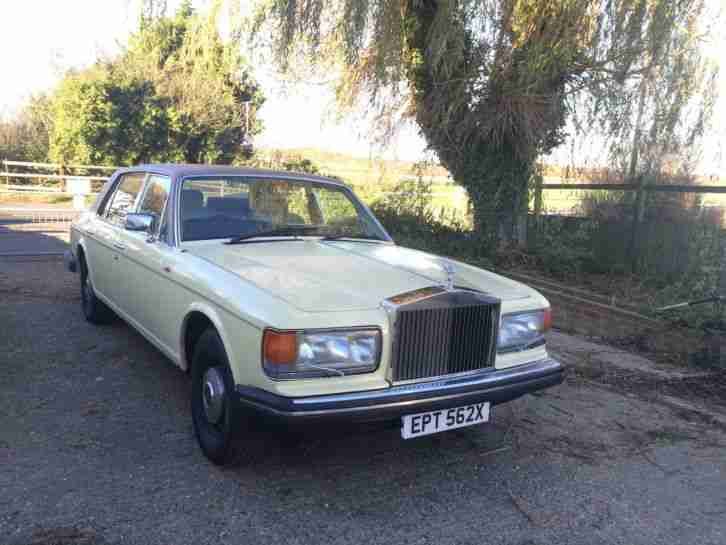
(453, 332)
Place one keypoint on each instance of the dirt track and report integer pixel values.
(96, 447)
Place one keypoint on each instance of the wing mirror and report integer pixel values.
(140, 222)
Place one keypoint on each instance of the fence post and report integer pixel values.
(721, 281)
(61, 169)
(638, 216)
(538, 182)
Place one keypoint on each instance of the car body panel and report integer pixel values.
(293, 284)
(314, 275)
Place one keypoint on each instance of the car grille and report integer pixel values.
(450, 333)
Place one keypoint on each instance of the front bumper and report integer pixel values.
(496, 387)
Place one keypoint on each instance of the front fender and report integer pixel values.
(79, 245)
(218, 321)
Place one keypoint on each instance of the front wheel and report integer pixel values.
(212, 402)
(94, 310)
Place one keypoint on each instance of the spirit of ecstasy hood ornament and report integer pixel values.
(450, 271)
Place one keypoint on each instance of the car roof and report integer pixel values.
(179, 171)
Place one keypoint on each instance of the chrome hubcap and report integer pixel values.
(213, 394)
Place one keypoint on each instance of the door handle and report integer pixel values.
(119, 246)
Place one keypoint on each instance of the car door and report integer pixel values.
(106, 255)
(147, 258)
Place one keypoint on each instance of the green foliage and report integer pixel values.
(680, 252)
(409, 217)
(175, 94)
(561, 247)
(300, 165)
(100, 120)
(25, 137)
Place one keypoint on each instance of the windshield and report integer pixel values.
(232, 207)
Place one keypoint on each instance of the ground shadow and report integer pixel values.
(20, 236)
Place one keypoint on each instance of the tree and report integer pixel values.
(175, 94)
(492, 83)
(25, 136)
(99, 119)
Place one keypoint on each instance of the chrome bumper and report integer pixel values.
(493, 386)
(69, 261)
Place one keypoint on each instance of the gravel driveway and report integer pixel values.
(96, 446)
(28, 229)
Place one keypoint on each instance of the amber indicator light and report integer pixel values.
(547, 320)
(279, 348)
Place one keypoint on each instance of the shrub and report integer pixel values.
(407, 214)
(678, 255)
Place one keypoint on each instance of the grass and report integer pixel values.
(355, 170)
(374, 179)
(33, 198)
(668, 437)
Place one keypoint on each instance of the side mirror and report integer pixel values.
(140, 222)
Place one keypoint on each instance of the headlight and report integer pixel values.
(523, 330)
(311, 354)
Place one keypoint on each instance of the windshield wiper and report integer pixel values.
(352, 238)
(287, 231)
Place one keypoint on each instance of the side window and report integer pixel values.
(123, 200)
(154, 200)
(155, 195)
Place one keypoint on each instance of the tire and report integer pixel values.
(94, 310)
(213, 409)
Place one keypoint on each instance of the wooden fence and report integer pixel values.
(58, 174)
(637, 229)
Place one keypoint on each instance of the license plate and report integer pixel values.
(418, 425)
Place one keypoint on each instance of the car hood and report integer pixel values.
(329, 276)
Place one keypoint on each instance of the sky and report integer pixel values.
(42, 38)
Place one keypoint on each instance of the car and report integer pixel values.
(289, 304)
